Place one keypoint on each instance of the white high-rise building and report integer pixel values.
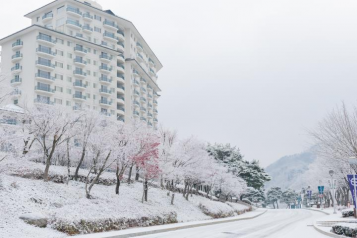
(83, 57)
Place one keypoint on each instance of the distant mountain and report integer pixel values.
(288, 171)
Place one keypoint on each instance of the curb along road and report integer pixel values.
(330, 234)
(150, 232)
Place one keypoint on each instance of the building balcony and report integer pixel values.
(136, 114)
(136, 73)
(152, 72)
(43, 101)
(87, 17)
(121, 89)
(155, 120)
(74, 12)
(151, 63)
(143, 119)
(150, 96)
(110, 25)
(121, 35)
(74, 24)
(105, 80)
(47, 17)
(16, 57)
(16, 69)
(105, 92)
(105, 69)
(110, 36)
(80, 36)
(15, 94)
(143, 81)
(150, 106)
(121, 111)
(121, 59)
(45, 52)
(137, 104)
(121, 68)
(149, 124)
(16, 81)
(143, 90)
(156, 111)
(121, 78)
(120, 100)
(136, 93)
(47, 40)
(107, 114)
(79, 73)
(46, 78)
(17, 45)
(87, 29)
(106, 58)
(79, 85)
(79, 97)
(143, 109)
(155, 102)
(46, 65)
(80, 50)
(105, 103)
(120, 47)
(140, 58)
(139, 47)
(80, 62)
(44, 90)
(78, 108)
(121, 119)
(136, 83)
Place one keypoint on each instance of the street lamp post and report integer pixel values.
(302, 196)
(333, 190)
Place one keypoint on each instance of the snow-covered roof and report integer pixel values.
(12, 108)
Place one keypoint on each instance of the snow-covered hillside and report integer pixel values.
(288, 171)
(67, 208)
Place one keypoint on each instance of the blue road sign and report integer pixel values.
(352, 181)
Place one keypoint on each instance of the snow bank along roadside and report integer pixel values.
(172, 227)
(67, 210)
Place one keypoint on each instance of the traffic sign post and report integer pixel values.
(352, 180)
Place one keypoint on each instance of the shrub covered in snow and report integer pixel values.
(347, 213)
(347, 229)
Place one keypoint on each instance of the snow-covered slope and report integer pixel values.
(288, 171)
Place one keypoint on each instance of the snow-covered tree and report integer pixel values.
(273, 196)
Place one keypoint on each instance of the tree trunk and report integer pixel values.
(172, 199)
(79, 164)
(130, 171)
(68, 163)
(117, 186)
(137, 174)
(146, 188)
(48, 160)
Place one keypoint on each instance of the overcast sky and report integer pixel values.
(255, 74)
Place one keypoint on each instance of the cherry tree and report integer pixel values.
(51, 126)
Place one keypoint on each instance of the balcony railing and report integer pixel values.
(155, 102)
(143, 99)
(121, 119)
(105, 102)
(45, 89)
(105, 67)
(80, 61)
(87, 28)
(121, 66)
(110, 23)
(121, 87)
(105, 90)
(45, 76)
(121, 76)
(107, 57)
(156, 111)
(135, 72)
(110, 35)
(140, 56)
(87, 15)
(137, 103)
(79, 72)
(46, 51)
(138, 44)
(149, 87)
(45, 63)
(105, 79)
(80, 49)
(136, 113)
(155, 120)
(77, 108)
(121, 109)
(16, 80)
(136, 82)
(18, 43)
(120, 32)
(143, 89)
(151, 61)
(80, 84)
(46, 16)
(121, 44)
(74, 10)
(74, 23)
(149, 105)
(136, 93)
(16, 68)
(46, 38)
(143, 109)
(143, 119)
(44, 101)
(120, 97)
(79, 96)
(149, 114)
(15, 56)
(143, 80)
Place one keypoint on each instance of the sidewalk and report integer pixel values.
(324, 225)
(171, 227)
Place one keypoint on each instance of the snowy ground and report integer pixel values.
(21, 196)
(278, 223)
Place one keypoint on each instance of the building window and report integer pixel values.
(69, 55)
(94, 62)
(88, 61)
(60, 41)
(69, 43)
(68, 103)
(59, 89)
(59, 52)
(60, 22)
(88, 95)
(69, 91)
(60, 65)
(98, 18)
(97, 29)
(16, 101)
(94, 85)
(60, 10)
(69, 67)
(58, 76)
(58, 101)
(69, 79)
(38, 18)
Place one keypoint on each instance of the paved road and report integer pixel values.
(273, 224)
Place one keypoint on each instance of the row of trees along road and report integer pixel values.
(94, 143)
